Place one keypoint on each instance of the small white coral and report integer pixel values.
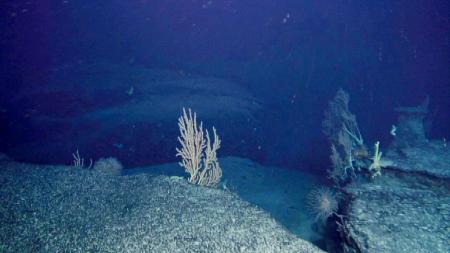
(78, 161)
(201, 164)
(109, 166)
(375, 167)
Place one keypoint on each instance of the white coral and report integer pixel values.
(375, 167)
(202, 165)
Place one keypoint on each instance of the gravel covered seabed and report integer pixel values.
(64, 209)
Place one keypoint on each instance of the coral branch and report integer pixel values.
(199, 155)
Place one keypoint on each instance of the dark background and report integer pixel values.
(291, 54)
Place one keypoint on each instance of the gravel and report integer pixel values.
(63, 209)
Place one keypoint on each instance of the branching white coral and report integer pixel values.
(202, 165)
(78, 161)
(375, 167)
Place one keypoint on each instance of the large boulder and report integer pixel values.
(61, 208)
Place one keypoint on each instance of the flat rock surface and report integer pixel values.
(432, 157)
(57, 208)
(400, 212)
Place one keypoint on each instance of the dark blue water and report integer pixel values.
(111, 78)
(290, 55)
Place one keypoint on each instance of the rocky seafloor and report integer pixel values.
(63, 209)
(47, 208)
(407, 208)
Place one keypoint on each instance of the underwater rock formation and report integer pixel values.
(432, 158)
(407, 208)
(129, 112)
(279, 191)
(52, 208)
(399, 212)
(411, 129)
(347, 144)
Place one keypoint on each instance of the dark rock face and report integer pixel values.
(129, 112)
(411, 127)
(411, 130)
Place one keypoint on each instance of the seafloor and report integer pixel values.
(407, 208)
(57, 208)
(257, 209)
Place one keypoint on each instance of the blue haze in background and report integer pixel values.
(291, 56)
